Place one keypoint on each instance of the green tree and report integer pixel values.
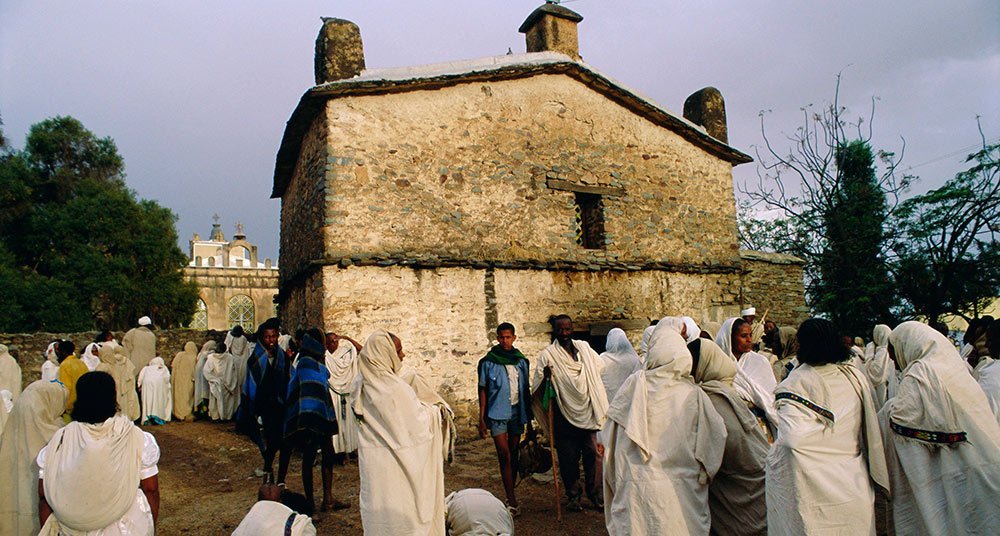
(82, 251)
(825, 185)
(948, 256)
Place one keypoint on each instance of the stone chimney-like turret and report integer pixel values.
(339, 52)
(705, 107)
(552, 27)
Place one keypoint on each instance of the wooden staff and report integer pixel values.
(552, 445)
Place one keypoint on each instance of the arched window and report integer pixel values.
(240, 311)
(200, 318)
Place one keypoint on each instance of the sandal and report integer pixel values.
(514, 511)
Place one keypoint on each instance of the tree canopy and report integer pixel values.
(78, 250)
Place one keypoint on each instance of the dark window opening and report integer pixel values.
(589, 221)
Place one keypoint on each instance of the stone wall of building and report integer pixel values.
(482, 171)
(773, 282)
(304, 206)
(29, 348)
(217, 286)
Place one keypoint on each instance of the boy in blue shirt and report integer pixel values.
(505, 404)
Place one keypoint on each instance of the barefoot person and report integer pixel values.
(504, 404)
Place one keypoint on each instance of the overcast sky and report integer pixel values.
(196, 93)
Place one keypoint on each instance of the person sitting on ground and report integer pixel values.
(476, 512)
(827, 458)
(98, 473)
(277, 511)
(665, 443)
(33, 420)
(71, 368)
(505, 404)
(311, 421)
(157, 397)
(736, 494)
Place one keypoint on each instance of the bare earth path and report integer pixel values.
(207, 485)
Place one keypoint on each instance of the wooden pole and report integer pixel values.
(555, 466)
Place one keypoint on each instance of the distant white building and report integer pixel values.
(235, 287)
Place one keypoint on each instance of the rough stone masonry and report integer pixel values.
(437, 201)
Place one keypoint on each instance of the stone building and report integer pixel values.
(234, 286)
(439, 200)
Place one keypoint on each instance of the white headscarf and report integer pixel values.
(644, 343)
(750, 389)
(936, 393)
(91, 356)
(693, 331)
(620, 361)
(10, 372)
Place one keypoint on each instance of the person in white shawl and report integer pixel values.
(50, 367)
(269, 516)
(942, 440)
(736, 494)
(98, 474)
(91, 356)
(880, 370)
(580, 409)
(754, 380)
(400, 446)
(477, 512)
(115, 362)
(665, 444)
(223, 390)
(35, 417)
(644, 341)
(620, 361)
(182, 376)
(140, 344)
(827, 457)
(6, 405)
(342, 363)
(10, 372)
(241, 348)
(157, 395)
(201, 388)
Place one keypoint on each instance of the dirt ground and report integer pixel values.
(207, 485)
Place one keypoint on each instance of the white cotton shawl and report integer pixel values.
(620, 361)
(578, 385)
(665, 443)
(344, 369)
(140, 347)
(92, 472)
(182, 374)
(50, 367)
(399, 452)
(6, 405)
(240, 348)
(36, 416)
(268, 518)
(10, 372)
(940, 488)
(644, 343)
(693, 331)
(736, 494)
(157, 396)
(754, 379)
(879, 369)
(222, 377)
(115, 363)
(201, 390)
(91, 356)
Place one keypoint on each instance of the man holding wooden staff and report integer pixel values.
(579, 409)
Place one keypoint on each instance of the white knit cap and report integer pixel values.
(748, 311)
(145, 321)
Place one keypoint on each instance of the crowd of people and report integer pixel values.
(744, 427)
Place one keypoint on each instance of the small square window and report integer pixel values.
(589, 220)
